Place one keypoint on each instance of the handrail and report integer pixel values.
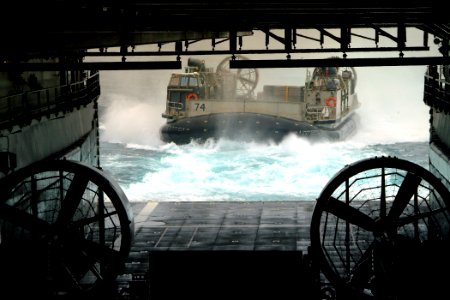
(20, 109)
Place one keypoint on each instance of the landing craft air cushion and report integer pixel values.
(205, 104)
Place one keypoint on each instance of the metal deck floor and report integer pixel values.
(182, 248)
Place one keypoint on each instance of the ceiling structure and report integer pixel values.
(115, 29)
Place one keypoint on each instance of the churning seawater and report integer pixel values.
(394, 122)
(228, 170)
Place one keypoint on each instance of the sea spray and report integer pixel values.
(230, 171)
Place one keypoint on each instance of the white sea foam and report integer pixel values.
(227, 170)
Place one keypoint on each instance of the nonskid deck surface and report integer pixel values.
(243, 249)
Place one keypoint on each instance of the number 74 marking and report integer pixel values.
(200, 106)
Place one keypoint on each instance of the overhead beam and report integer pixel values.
(252, 51)
(144, 65)
(234, 64)
(337, 62)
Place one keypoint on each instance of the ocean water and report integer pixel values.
(394, 122)
(233, 171)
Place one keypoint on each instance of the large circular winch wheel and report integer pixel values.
(372, 225)
(65, 228)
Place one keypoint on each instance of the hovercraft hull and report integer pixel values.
(252, 127)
